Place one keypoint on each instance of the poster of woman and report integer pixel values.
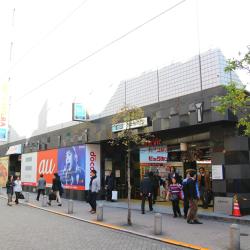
(71, 167)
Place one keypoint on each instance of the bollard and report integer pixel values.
(27, 197)
(234, 237)
(1, 190)
(70, 207)
(158, 224)
(99, 212)
(44, 201)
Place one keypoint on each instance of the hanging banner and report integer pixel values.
(4, 165)
(4, 104)
(47, 165)
(29, 169)
(92, 162)
(71, 167)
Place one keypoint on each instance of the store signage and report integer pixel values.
(4, 104)
(217, 172)
(143, 122)
(79, 112)
(28, 169)
(93, 161)
(154, 155)
(4, 166)
(223, 205)
(199, 109)
(15, 149)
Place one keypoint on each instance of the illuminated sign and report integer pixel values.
(143, 122)
(78, 112)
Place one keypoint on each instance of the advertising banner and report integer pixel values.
(71, 167)
(4, 165)
(92, 162)
(47, 165)
(29, 169)
(154, 155)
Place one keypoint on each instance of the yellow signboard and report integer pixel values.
(4, 164)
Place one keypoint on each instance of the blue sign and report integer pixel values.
(79, 112)
(3, 134)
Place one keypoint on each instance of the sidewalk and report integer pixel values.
(212, 234)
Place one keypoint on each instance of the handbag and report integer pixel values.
(21, 196)
(52, 196)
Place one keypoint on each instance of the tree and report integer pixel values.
(237, 98)
(128, 136)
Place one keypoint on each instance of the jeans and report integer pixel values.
(186, 206)
(17, 196)
(9, 198)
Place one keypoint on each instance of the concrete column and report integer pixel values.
(70, 206)
(158, 224)
(27, 194)
(44, 201)
(99, 212)
(234, 237)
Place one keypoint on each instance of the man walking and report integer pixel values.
(41, 185)
(193, 199)
(204, 186)
(146, 190)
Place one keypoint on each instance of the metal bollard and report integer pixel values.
(158, 224)
(44, 201)
(27, 197)
(234, 237)
(99, 212)
(70, 207)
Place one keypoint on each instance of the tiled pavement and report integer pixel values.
(212, 234)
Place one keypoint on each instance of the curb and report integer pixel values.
(117, 228)
(203, 216)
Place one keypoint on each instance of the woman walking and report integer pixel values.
(56, 188)
(17, 188)
(93, 189)
(175, 191)
(10, 189)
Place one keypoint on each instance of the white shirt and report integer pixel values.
(18, 186)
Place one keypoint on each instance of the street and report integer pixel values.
(27, 228)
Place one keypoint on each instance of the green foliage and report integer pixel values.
(237, 98)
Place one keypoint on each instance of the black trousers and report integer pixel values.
(186, 206)
(144, 197)
(155, 194)
(92, 200)
(109, 194)
(176, 207)
(17, 196)
(39, 191)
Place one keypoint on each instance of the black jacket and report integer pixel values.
(191, 189)
(57, 185)
(146, 186)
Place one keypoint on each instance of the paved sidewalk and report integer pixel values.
(212, 234)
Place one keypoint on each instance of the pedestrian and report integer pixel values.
(193, 199)
(146, 190)
(110, 184)
(93, 189)
(204, 186)
(17, 188)
(41, 185)
(156, 186)
(10, 189)
(174, 194)
(185, 193)
(56, 188)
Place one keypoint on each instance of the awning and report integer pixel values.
(15, 149)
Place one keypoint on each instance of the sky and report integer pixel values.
(76, 51)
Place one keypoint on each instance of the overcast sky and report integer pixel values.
(50, 37)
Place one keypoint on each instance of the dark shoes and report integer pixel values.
(49, 203)
(60, 205)
(142, 212)
(194, 222)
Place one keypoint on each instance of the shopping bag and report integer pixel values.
(52, 196)
(114, 195)
(21, 196)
